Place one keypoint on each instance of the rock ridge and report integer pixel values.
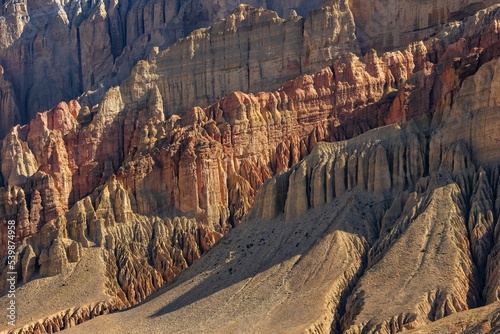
(69, 35)
(36, 35)
(155, 193)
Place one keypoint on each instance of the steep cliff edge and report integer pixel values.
(199, 166)
(8, 107)
(389, 23)
(202, 163)
(209, 170)
(55, 51)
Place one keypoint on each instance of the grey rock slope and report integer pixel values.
(55, 50)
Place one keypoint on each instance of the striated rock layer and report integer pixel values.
(250, 51)
(389, 24)
(381, 233)
(53, 51)
(153, 193)
(201, 164)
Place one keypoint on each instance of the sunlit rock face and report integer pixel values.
(56, 50)
(139, 185)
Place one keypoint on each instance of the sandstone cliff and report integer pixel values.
(8, 107)
(369, 235)
(154, 193)
(201, 163)
(40, 36)
(388, 24)
(52, 171)
(250, 51)
(53, 51)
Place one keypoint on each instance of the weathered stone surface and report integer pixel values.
(151, 192)
(414, 257)
(94, 45)
(251, 50)
(482, 320)
(9, 113)
(388, 24)
(70, 36)
(401, 255)
(477, 100)
(202, 163)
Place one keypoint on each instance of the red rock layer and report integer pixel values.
(209, 163)
(94, 45)
(157, 193)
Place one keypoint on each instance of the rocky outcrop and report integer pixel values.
(70, 36)
(479, 320)
(140, 253)
(93, 45)
(202, 162)
(233, 55)
(363, 235)
(154, 191)
(67, 319)
(390, 160)
(365, 165)
(388, 24)
(9, 114)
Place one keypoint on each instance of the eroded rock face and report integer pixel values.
(250, 51)
(38, 35)
(367, 235)
(435, 250)
(9, 113)
(388, 24)
(202, 163)
(92, 44)
(155, 191)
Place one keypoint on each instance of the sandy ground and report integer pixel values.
(264, 277)
(80, 284)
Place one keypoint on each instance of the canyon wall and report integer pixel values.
(250, 51)
(54, 51)
(387, 24)
(40, 36)
(153, 191)
(433, 247)
(382, 233)
(8, 107)
(66, 153)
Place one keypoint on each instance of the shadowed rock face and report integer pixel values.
(207, 164)
(387, 24)
(148, 193)
(250, 51)
(57, 50)
(9, 113)
(365, 235)
(90, 44)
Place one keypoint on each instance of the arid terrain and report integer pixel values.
(270, 167)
